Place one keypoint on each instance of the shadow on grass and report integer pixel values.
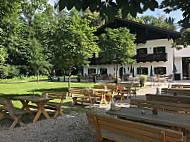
(11, 96)
(53, 89)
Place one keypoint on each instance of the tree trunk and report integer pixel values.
(38, 76)
(64, 77)
(69, 83)
(117, 75)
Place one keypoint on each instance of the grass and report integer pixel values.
(13, 89)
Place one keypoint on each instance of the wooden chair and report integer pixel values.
(121, 91)
(127, 131)
(55, 105)
(8, 110)
(83, 96)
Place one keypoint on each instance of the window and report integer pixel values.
(91, 71)
(159, 50)
(103, 71)
(144, 70)
(160, 70)
(141, 51)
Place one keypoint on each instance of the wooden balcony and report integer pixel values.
(151, 57)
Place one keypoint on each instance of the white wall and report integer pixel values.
(178, 63)
(184, 52)
(149, 45)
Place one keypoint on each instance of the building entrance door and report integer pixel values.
(186, 67)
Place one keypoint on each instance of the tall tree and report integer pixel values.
(74, 43)
(183, 5)
(117, 46)
(37, 59)
(110, 8)
(161, 22)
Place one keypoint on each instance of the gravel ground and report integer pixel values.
(71, 127)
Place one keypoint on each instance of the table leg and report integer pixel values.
(41, 110)
(25, 106)
(129, 92)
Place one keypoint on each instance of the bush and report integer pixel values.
(143, 79)
(116, 79)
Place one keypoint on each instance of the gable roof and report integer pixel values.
(143, 32)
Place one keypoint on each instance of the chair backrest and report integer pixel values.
(139, 131)
(55, 95)
(76, 91)
(99, 86)
(178, 108)
(120, 88)
(112, 87)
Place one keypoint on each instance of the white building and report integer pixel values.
(154, 48)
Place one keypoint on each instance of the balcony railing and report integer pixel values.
(151, 57)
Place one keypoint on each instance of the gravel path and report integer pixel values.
(67, 128)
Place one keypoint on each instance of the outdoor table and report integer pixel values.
(129, 85)
(39, 101)
(104, 94)
(178, 121)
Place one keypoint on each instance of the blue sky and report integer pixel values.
(176, 14)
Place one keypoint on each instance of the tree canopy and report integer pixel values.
(110, 8)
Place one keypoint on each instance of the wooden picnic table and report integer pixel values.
(39, 101)
(103, 93)
(129, 85)
(178, 121)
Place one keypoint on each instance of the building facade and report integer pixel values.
(154, 50)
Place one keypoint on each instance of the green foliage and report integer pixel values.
(184, 40)
(158, 22)
(74, 43)
(111, 7)
(183, 5)
(117, 46)
(8, 71)
(93, 17)
(143, 78)
(36, 57)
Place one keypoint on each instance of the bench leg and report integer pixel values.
(2, 115)
(16, 120)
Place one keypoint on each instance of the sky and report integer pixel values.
(175, 14)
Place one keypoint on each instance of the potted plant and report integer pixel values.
(143, 80)
(79, 76)
(116, 79)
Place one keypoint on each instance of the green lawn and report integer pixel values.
(12, 89)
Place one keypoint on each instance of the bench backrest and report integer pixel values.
(112, 87)
(139, 131)
(178, 108)
(75, 91)
(178, 86)
(169, 98)
(99, 86)
(177, 91)
(56, 95)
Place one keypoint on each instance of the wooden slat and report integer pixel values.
(129, 129)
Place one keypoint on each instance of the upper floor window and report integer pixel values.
(159, 50)
(141, 51)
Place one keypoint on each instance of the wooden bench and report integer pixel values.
(99, 86)
(178, 108)
(179, 86)
(127, 131)
(83, 96)
(55, 105)
(176, 91)
(169, 98)
(8, 110)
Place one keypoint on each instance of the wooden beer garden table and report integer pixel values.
(177, 121)
(103, 93)
(39, 101)
(129, 85)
